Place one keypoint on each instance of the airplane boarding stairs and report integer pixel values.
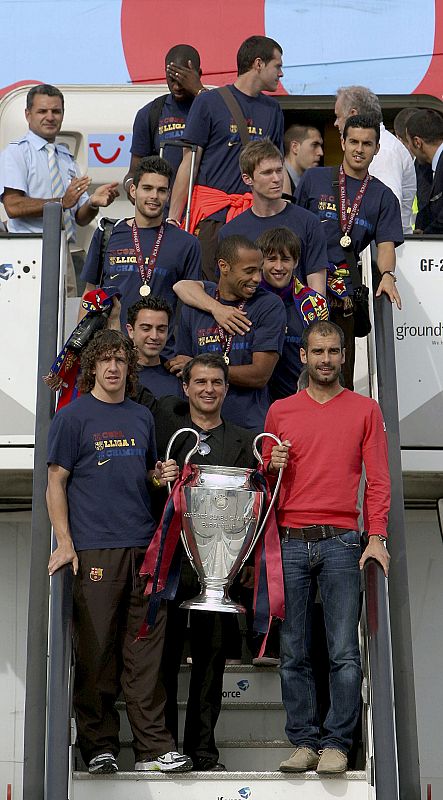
(250, 732)
(251, 740)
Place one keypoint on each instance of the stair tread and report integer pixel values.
(221, 776)
(234, 743)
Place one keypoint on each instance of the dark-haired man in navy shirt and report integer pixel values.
(170, 112)
(167, 255)
(252, 356)
(102, 457)
(261, 167)
(147, 326)
(377, 219)
(212, 127)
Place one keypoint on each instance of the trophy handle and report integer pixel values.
(274, 494)
(191, 452)
(188, 456)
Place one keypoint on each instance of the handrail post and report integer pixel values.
(59, 699)
(382, 694)
(400, 614)
(37, 640)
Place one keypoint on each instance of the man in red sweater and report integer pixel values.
(327, 433)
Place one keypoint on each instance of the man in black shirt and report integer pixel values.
(221, 442)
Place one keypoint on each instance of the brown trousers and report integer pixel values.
(108, 614)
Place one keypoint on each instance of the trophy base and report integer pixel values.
(213, 600)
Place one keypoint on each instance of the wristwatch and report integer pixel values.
(391, 273)
(382, 538)
(156, 482)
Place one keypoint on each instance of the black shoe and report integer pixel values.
(208, 765)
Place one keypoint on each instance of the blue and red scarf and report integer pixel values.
(310, 305)
(64, 372)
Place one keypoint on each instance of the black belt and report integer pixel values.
(311, 533)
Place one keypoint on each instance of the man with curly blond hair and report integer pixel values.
(101, 459)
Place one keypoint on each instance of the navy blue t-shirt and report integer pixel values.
(304, 224)
(287, 371)
(211, 126)
(171, 125)
(179, 258)
(160, 382)
(108, 449)
(198, 333)
(378, 219)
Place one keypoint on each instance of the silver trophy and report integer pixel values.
(221, 523)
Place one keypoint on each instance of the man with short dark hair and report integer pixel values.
(424, 131)
(35, 170)
(320, 542)
(392, 164)
(205, 381)
(144, 255)
(148, 327)
(262, 170)
(164, 119)
(102, 457)
(303, 150)
(367, 212)
(218, 193)
(252, 356)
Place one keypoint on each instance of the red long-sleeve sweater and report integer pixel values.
(329, 442)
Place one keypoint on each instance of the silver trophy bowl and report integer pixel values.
(222, 521)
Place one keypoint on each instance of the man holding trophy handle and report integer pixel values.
(221, 444)
(327, 433)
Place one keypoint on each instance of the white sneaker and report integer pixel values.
(169, 762)
(103, 764)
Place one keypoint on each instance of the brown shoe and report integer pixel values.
(331, 761)
(302, 759)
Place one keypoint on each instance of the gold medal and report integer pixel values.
(345, 240)
(145, 290)
(226, 359)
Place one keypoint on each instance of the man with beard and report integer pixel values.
(318, 522)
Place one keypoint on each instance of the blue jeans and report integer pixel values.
(332, 565)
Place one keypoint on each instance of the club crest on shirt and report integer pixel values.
(96, 573)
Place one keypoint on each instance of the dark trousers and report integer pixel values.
(345, 321)
(108, 614)
(208, 663)
(208, 237)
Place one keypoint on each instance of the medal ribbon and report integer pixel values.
(226, 341)
(345, 222)
(146, 272)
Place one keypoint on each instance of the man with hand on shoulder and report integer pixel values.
(237, 303)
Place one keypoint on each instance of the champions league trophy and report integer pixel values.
(221, 509)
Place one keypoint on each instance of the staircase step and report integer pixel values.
(220, 786)
(237, 755)
(243, 683)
